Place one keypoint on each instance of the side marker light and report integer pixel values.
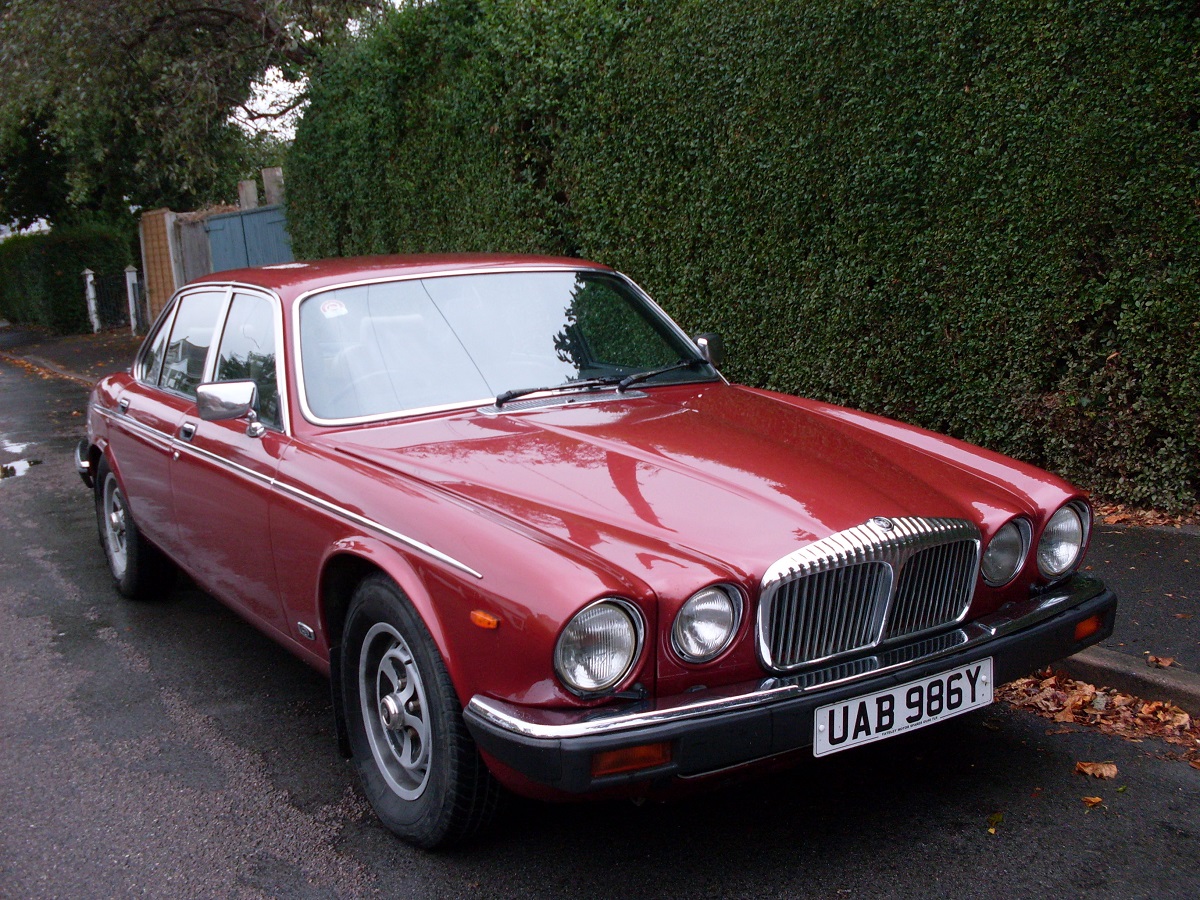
(484, 619)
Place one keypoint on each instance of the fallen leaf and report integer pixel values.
(1195, 764)
(1092, 802)
(1161, 662)
(1183, 615)
(1122, 789)
(1096, 769)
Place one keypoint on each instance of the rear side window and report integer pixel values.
(150, 366)
(191, 336)
(247, 351)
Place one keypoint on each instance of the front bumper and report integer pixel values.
(719, 729)
(83, 463)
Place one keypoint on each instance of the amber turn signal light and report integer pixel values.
(1088, 627)
(631, 759)
(484, 619)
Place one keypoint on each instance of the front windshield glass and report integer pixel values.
(380, 349)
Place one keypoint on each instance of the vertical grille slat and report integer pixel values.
(865, 586)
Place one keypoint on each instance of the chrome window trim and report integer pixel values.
(170, 443)
(560, 724)
(230, 288)
(298, 353)
(280, 357)
(219, 322)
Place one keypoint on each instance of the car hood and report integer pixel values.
(714, 475)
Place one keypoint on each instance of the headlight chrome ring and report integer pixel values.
(599, 646)
(1063, 539)
(1006, 552)
(705, 625)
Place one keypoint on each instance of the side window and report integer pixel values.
(150, 366)
(191, 336)
(247, 350)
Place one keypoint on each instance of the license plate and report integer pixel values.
(852, 723)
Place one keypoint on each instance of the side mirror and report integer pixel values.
(219, 400)
(712, 348)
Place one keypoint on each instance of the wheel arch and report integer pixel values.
(348, 564)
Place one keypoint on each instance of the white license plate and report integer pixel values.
(852, 723)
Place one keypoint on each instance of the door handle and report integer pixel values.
(123, 403)
(187, 430)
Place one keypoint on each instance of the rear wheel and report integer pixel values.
(417, 763)
(138, 568)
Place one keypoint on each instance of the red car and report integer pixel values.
(536, 540)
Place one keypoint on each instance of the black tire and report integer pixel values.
(138, 568)
(417, 763)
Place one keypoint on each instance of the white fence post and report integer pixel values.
(89, 280)
(131, 291)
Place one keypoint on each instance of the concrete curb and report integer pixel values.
(47, 366)
(1108, 668)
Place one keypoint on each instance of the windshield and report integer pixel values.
(381, 349)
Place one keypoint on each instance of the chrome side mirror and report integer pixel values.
(221, 400)
(712, 348)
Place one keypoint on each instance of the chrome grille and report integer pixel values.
(828, 613)
(863, 586)
(935, 588)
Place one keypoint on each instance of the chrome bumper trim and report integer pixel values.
(82, 464)
(557, 724)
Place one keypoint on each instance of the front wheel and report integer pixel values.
(418, 765)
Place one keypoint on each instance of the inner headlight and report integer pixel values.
(1062, 540)
(1006, 553)
(706, 623)
(598, 647)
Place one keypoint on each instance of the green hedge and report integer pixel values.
(41, 275)
(981, 217)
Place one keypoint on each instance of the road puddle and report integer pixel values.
(18, 468)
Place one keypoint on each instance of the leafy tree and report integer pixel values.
(106, 104)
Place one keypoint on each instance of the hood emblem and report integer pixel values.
(883, 524)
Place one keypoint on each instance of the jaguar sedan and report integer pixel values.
(538, 542)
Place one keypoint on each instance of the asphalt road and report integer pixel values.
(168, 750)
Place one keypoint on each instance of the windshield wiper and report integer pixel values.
(630, 380)
(503, 398)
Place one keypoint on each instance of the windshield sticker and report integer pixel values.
(331, 309)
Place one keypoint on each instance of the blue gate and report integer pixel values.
(253, 237)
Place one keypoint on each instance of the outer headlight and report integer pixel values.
(706, 624)
(1062, 541)
(1006, 553)
(599, 646)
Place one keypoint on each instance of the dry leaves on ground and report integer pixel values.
(1055, 696)
(1097, 769)
(1160, 662)
(1093, 802)
(1117, 514)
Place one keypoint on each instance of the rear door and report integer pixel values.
(151, 410)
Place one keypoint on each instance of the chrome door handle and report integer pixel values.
(123, 403)
(187, 430)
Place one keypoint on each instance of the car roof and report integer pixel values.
(291, 279)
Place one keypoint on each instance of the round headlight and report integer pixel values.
(1062, 541)
(706, 623)
(598, 647)
(1006, 553)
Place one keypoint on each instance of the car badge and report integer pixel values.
(883, 524)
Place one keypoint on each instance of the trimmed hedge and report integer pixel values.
(981, 217)
(41, 275)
